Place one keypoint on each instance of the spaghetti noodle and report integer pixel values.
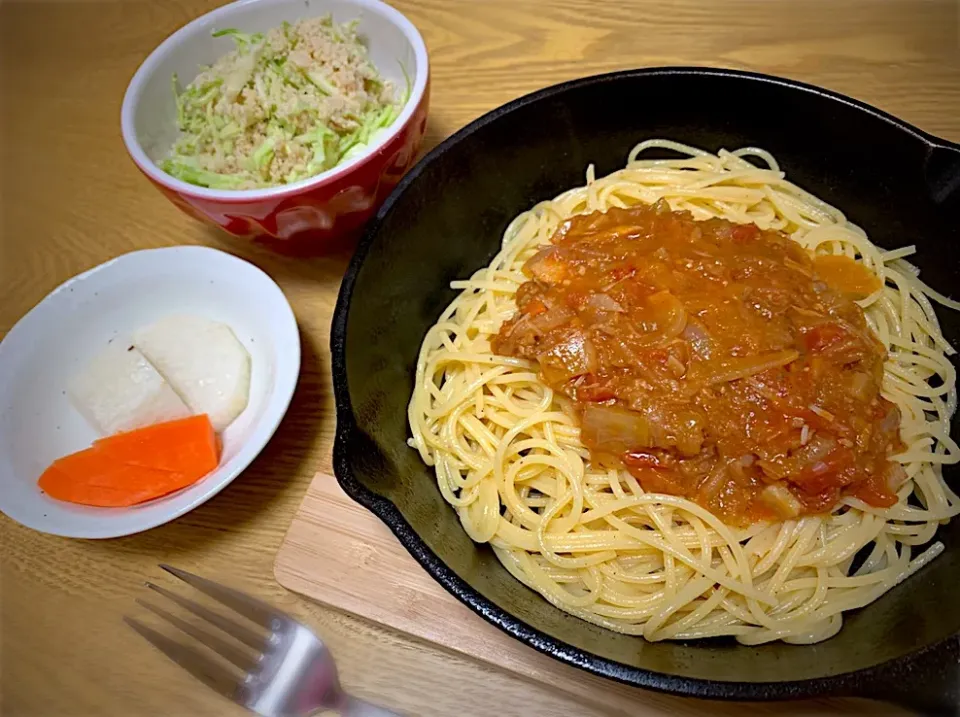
(588, 537)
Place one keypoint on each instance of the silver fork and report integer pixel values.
(285, 670)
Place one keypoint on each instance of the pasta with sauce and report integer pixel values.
(689, 399)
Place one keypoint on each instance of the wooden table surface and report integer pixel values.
(71, 199)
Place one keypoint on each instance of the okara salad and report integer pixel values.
(281, 107)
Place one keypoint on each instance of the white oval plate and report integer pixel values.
(62, 333)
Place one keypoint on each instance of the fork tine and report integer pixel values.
(239, 657)
(251, 608)
(200, 666)
(242, 633)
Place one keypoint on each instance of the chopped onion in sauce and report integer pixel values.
(602, 302)
(615, 430)
(781, 501)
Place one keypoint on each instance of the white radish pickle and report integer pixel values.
(120, 390)
(204, 362)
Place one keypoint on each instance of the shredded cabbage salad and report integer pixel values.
(283, 106)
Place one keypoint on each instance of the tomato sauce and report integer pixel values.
(712, 360)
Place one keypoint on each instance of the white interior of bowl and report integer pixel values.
(60, 335)
(148, 116)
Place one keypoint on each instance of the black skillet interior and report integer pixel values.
(446, 220)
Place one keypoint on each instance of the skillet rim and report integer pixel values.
(856, 682)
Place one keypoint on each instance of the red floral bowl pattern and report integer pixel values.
(311, 216)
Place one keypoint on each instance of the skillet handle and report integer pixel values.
(942, 172)
(927, 682)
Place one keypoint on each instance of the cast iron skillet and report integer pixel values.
(446, 219)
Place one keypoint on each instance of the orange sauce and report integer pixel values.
(712, 360)
(843, 274)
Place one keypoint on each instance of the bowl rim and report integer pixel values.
(147, 68)
(286, 374)
(866, 681)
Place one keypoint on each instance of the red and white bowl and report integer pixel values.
(309, 215)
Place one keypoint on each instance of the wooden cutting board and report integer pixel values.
(338, 553)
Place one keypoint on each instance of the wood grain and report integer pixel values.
(70, 199)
